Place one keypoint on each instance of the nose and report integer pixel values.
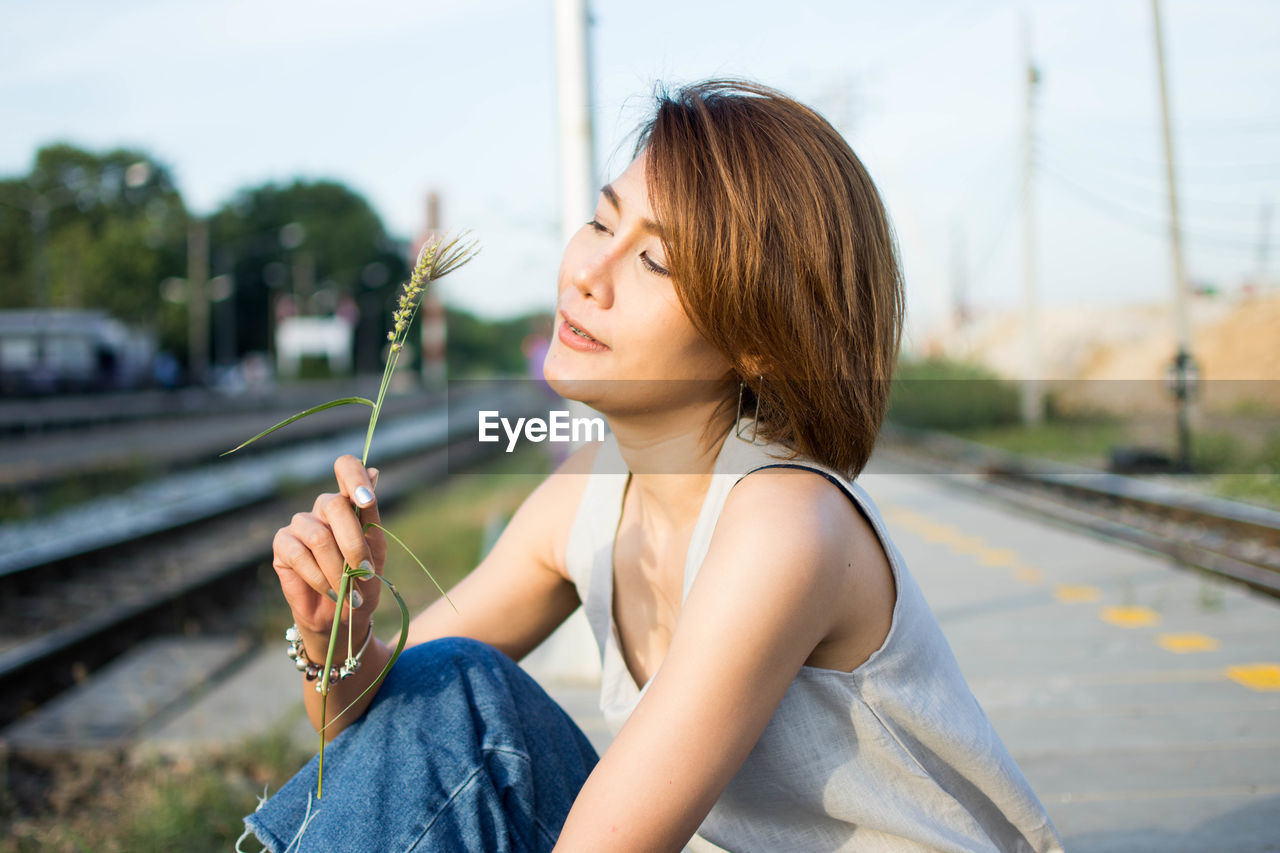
(593, 275)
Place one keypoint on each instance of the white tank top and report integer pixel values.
(895, 755)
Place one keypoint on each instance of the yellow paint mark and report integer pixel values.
(1185, 643)
(1026, 574)
(967, 544)
(940, 533)
(1076, 594)
(901, 515)
(1130, 617)
(1256, 676)
(997, 557)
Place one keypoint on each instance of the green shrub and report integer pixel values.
(936, 393)
(1217, 453)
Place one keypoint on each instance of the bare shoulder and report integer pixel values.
(802, 506)
(543, 522)
(831, 548)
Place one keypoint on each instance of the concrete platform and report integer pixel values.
(1141, 699)
(111, 711)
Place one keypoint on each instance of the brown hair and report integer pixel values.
(783, 257)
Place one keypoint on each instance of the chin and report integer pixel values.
(592, 392)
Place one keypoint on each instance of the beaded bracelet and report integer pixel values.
(310, 669)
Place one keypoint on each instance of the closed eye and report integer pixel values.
(651, 266)
(597, 227)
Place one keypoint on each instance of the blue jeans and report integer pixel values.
(460, 750)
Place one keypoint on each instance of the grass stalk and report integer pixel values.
(435, 260)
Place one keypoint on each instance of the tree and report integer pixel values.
(316, 244)
(475, 347)
(87, 230)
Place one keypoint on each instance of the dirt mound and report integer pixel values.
(1117, 357)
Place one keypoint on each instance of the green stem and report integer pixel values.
(344, 585)
(392, 361)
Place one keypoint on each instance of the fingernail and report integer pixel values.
(364, 497)
(365, 566)
(356, 598)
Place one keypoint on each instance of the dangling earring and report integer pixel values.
(755, 421)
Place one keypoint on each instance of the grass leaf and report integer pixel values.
(416, 560)
(345, 401)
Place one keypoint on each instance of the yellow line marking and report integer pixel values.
(901, 516)
(1185, 643)
(1026, 574)
(1076, 594)
(1256, 676)
(968, 544)
(941, 533)
(1130, 617)
(997, 557)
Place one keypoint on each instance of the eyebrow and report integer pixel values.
(612, 197)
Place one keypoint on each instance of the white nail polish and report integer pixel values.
(364, 497)
(356, 598)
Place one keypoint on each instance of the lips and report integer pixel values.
(574, 324)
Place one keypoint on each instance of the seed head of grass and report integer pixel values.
(437, 258)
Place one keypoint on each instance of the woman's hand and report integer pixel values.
(309, 553)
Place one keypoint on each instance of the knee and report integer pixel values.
(453, 651)
(447, 660)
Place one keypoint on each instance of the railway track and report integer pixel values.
(75, 592)
(1237, 541)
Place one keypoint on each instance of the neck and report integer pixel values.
(671, 457)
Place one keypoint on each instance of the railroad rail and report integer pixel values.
(1229, 539)
(80, 588)
(38, 415)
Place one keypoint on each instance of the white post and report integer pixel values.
(568, 656)
(1032, 397)
(573, 87)
(197, 299)
(1183, 363)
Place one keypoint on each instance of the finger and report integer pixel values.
(313, 532)
(354, 482)
(348, 532)
(290, 554)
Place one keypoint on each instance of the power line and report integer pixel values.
(1233, 209)
(1144, 220)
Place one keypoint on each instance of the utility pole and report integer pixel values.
(577, 158)
(959, 278)
(1183, 374)
(1264, 239)
(1032, 396)
(569, 653)
(197, 299)
(432, 330)
(573, 88)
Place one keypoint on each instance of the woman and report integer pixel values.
(772, 673)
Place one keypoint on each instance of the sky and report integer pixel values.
(398, 98)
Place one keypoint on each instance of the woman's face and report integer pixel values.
(615, 287)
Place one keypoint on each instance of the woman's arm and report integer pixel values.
(775, 582)
(513, 600)
(521, 591)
